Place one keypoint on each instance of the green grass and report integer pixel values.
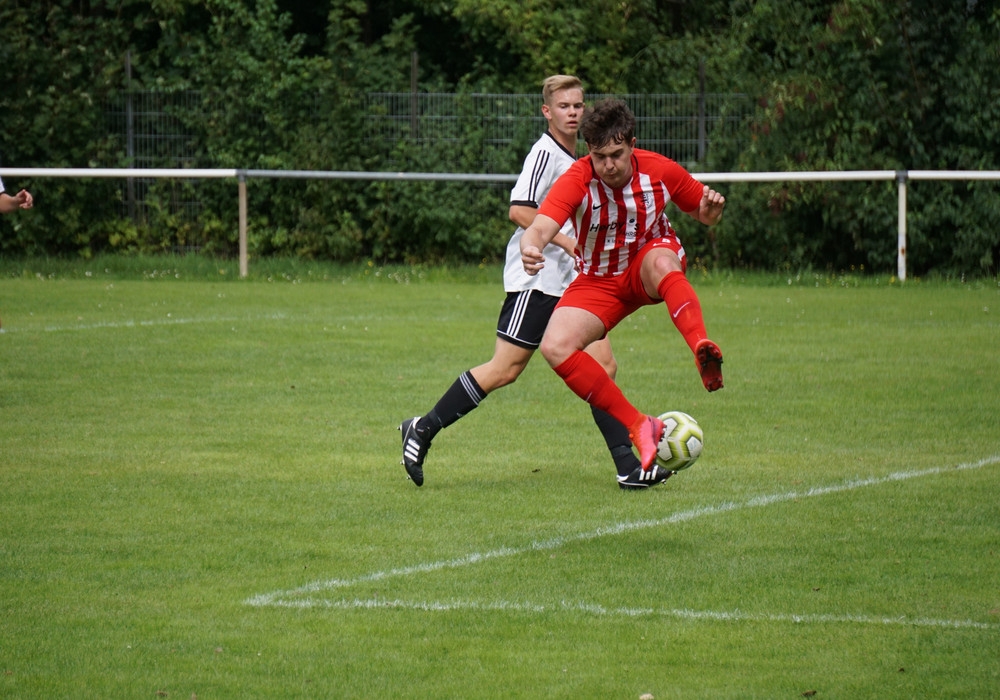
(200, 492)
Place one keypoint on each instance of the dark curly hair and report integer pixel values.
(606, 122)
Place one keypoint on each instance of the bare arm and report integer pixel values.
(709, 211)
(541, 232)
(22, 200)
(523, 216)
(565, 242)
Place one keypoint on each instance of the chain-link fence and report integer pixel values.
(420, 132)
(148, 129)
(681, 127)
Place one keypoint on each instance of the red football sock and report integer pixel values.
(684, 307)
(588, 380)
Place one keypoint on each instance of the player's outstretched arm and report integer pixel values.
(542, 230)
(711, 207)
(566, 243)
(22, 200)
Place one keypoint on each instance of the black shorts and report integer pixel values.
(524, 316)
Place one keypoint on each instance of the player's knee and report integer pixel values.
(553, 351)
(658, 264)
(663, 265)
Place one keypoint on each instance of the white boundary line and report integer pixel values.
(285, 598)
(601, 611)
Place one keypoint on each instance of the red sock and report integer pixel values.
(588, 380)
(683, 306)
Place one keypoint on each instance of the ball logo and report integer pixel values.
(681, 442)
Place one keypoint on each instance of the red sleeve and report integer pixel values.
(685, 191)
(567, 192)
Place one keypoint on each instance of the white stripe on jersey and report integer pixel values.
(543, 165)
(613, 225)
(539, 187)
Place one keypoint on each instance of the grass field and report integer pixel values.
(201, 493)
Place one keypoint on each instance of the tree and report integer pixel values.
(60, 62)
(865, 84)
(840, 84)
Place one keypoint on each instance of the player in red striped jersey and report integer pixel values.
(630, 257)
(530, 300)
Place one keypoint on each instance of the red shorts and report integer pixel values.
(612, 299)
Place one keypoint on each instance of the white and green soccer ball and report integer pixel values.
(681, 442)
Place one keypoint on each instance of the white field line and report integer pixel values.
(280, 598)
(601, 611)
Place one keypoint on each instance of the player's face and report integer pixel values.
(613, 163)
(564, 112)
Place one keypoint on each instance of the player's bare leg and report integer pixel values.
(504, 367)
(465, 394)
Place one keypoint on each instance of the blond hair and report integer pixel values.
(555, 83)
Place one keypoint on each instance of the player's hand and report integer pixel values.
(532, 259)
(710, 209)
(24, 199)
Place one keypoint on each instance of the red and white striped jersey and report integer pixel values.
(613, 224)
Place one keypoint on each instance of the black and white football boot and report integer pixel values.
(644, 478)
(415, 448)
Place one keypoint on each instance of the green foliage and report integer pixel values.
(59, 60)
(840, 84)
(639, 46)
(868, 85)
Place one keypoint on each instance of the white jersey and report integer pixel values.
(1, 186)
(545, 162)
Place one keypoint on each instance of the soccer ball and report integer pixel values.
(681, 441)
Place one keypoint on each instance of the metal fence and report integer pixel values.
(680, 126)
(432, 132)
(901, 177)
(149, 129)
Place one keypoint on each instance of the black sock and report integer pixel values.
(462, 396)
(616, 436)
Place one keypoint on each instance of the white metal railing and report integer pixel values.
(900, 176)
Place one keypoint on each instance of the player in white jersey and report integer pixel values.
(547, 160)
(22, 200)
(530, 300)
